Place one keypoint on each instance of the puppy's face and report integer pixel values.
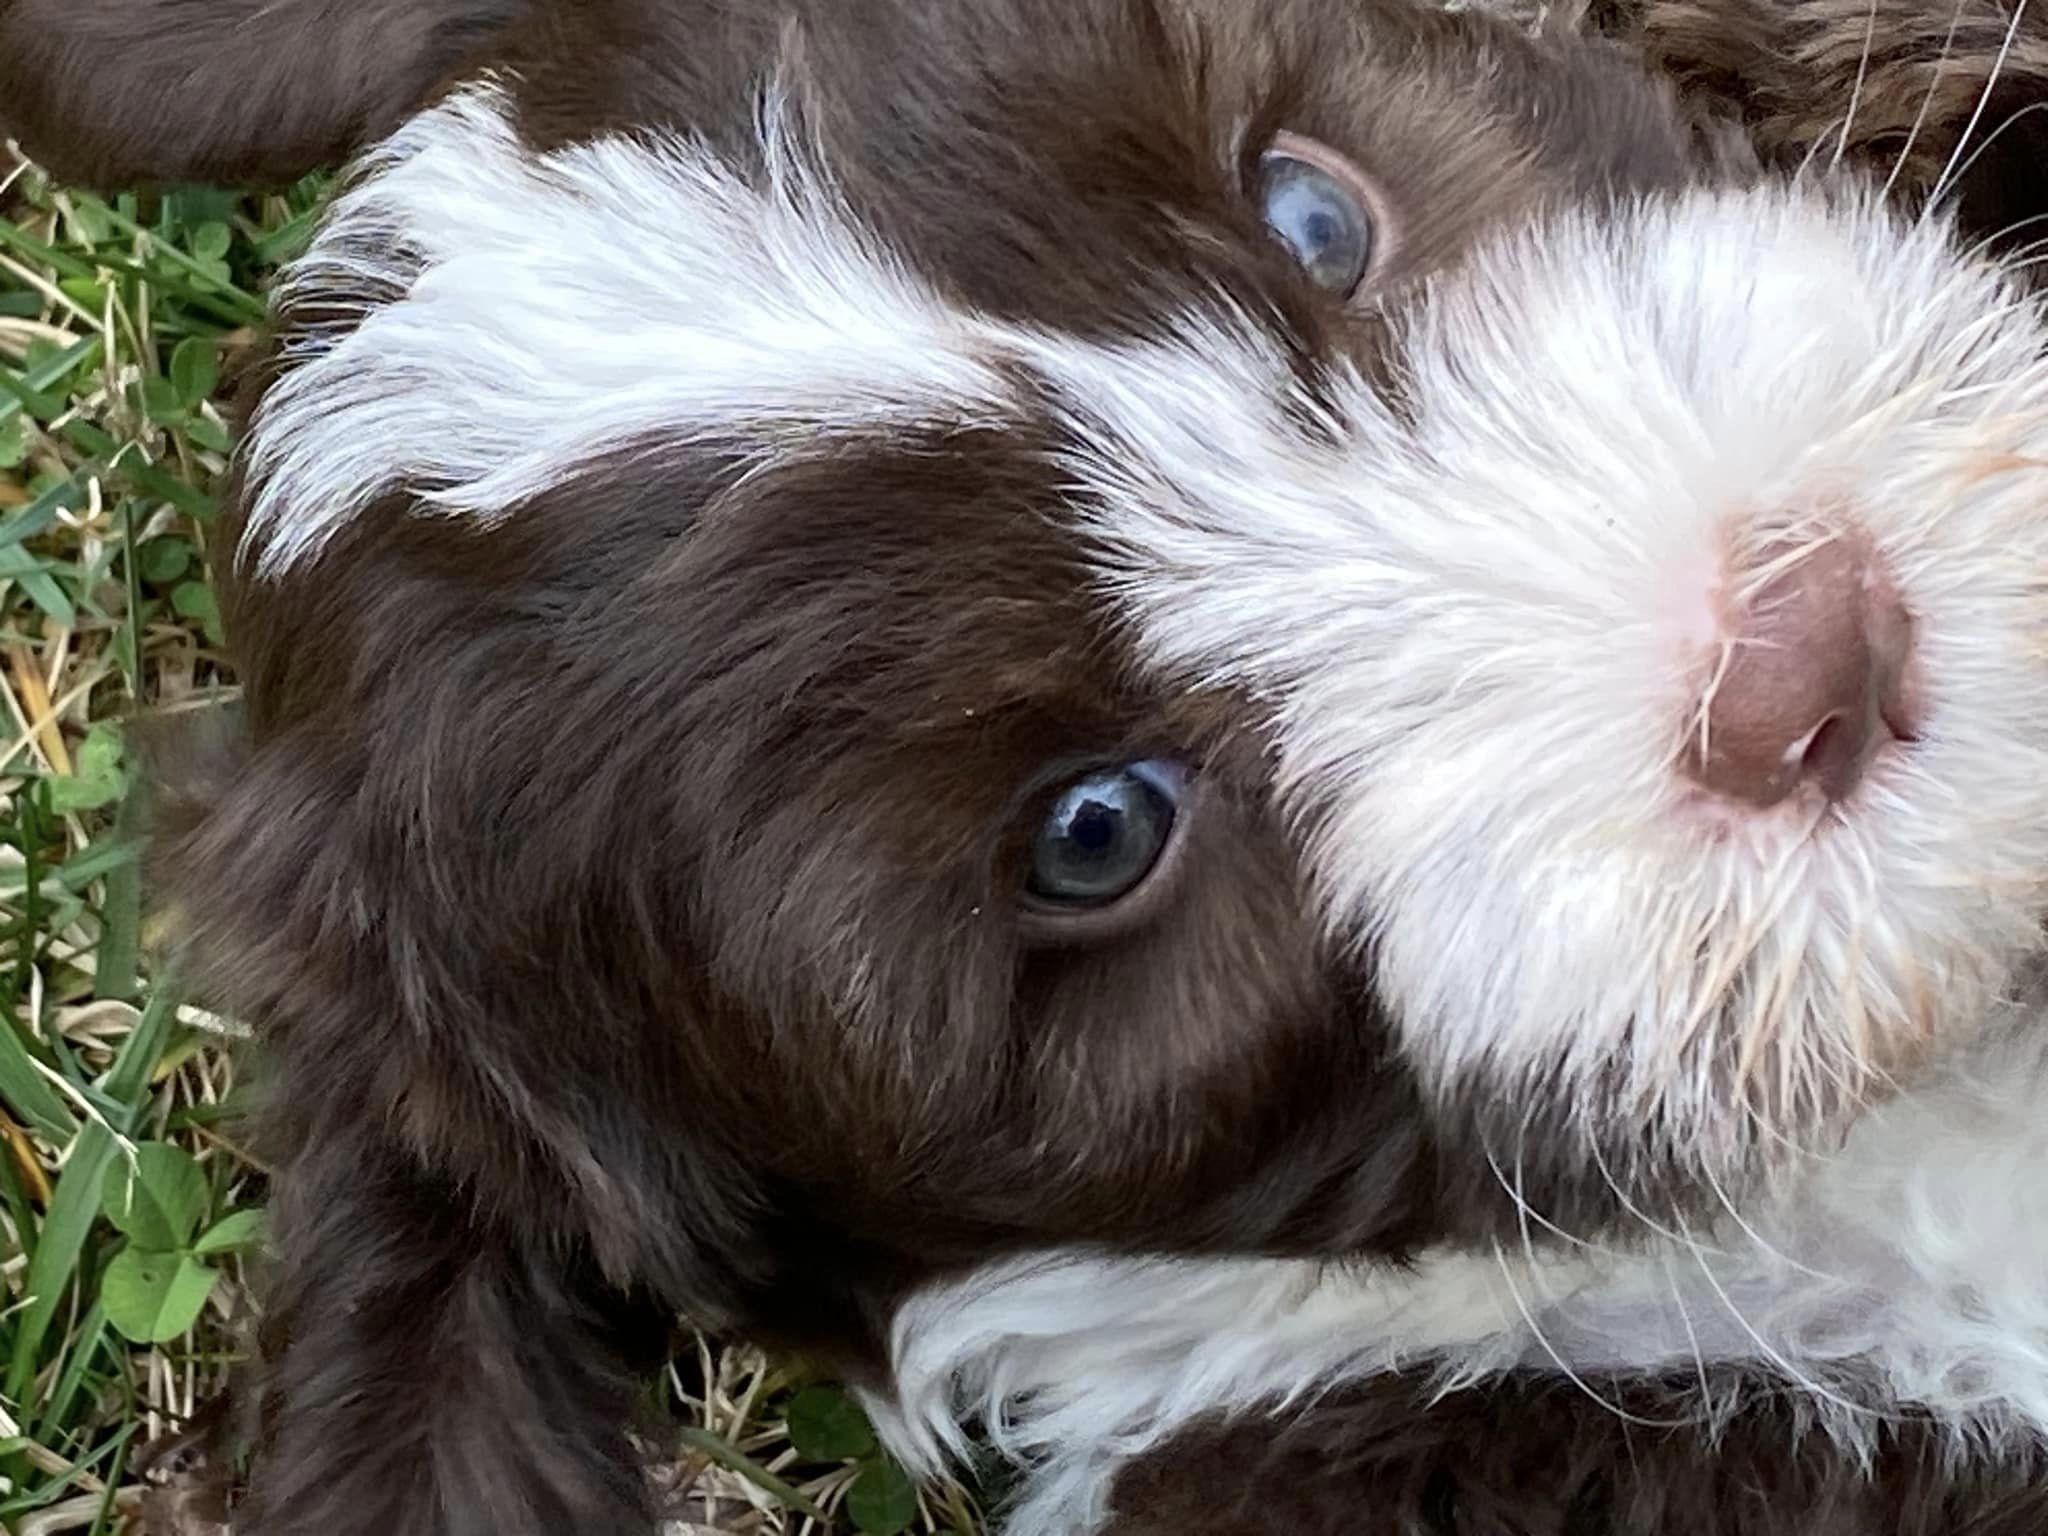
(1171, 624)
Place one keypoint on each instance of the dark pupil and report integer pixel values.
(1094, 828)
(1100, 839)
(1318, 220)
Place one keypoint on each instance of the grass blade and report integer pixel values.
(735, 1460)
(60, 1245)
(41, 514)
(252, 309)
(47, 375)
(91, 1335)
(28, 1094)
(127, 1083)
(76, 1202)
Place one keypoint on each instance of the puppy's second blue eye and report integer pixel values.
(1318, 218)
(1102, 836)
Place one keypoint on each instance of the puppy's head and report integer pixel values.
(897, 631)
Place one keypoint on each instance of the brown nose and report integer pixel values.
(1813, 681)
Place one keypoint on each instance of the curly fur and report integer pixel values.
(617, 851)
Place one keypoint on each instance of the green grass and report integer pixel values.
(127, 1210)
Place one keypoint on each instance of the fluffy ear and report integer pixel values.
(239, 92)
(452, 1339)
(1938, 97)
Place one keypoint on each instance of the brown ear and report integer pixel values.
(1947, 96)
(238, 92)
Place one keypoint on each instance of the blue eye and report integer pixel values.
(1103, 835)
(1319, 216)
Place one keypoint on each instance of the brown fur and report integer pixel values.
(624, 895)
(1895, 85)
(1540, 1457)
(245, 91)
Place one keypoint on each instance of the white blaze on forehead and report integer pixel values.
(501, 318)
(475, 322)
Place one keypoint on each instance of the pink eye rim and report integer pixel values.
(1299, 176)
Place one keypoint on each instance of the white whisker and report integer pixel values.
(1628, 1205)
(1941, 183)
(1992, 137)
(1979, 247)
(1770, 1352)
(1528, 1213)
(1692, 1336)
(1762, 1246)
(1564, 1366)
(1955, 18)
(1856, 91)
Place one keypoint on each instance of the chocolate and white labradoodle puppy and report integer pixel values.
(1295, 751)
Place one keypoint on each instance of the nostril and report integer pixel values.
(1893, 635)
(1813, 679)
(1833, 757)
(1900, 717)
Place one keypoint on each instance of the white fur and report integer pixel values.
(491, 321)
(1475, 637)
(1904, 1269)
(475, 323)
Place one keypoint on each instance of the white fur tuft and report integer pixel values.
(491, 320)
